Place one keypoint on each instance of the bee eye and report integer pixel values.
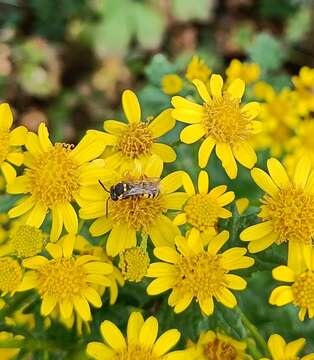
(119, 189)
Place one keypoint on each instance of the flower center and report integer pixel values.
(137, 212)
(134, 263)
(224, 120)
(201, 274)
(303, 290)
(27, 241)
(61, 278)
(134, 351)
(10, 274)
(220, 350)
(291, 212)
(53, 176)
(4, 145)
(136, 141)
(201, 211)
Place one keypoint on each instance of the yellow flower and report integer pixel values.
(134, 263)
(27, 241)
(245, 71)
(171, 84)
(304, 84)
(197, 69)
(242, 204)
(280, 350)
(134, 144)
(301, 291)
(11, 275)
(222, 123)
(66, 281)
(9, 353)
(278, 125)
(9, 143)
(53, 178)
(193, 272)
(84, 247)
(287, 210)
(203, 209)
(211, 345)
(135, 214)
(141, 342)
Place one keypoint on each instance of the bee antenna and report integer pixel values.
(104, 187)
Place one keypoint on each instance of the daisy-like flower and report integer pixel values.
(203, 209)
(280, 350)
(197, 69)
(66, 282)
(135, 214)
(304, 84)
(134, 144)
(300, 291)
(11, 275)
(53, 178)
(141, 342)
(287, 210)
(171, 84)
(248, 72)
(195, 273)
(221, 121)
(212, 345)
(10, 140)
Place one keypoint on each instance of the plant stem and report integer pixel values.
(254, 331)
(19, 301)
(27, 344)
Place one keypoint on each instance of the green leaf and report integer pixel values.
(157, 68)
(298, 25)
(267, 52)
(192, 10)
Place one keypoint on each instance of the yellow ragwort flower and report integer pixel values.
(53, 178)
(11, 275)
(141, 342)
(134, 144)
(171, 84)
(197, 69)
(203, 209)
(133, 263)
(304, 84)
(222, 122)
(214, 345)
(84, 247)
(27, 241)
(248, 72)
(280, 350)
(301, 290)
(66, 282)
(135, 214)
(287, 210)
(10, 141)
(195, 273)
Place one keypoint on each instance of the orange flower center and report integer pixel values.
(220, 350)
(224, 121)
(137, 140)
(291, 212)
(134, 351)
(303, 290)
(54, 176)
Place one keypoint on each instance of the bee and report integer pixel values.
(148, 187)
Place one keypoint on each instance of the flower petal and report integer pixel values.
(278, 173)
(112, 335)
(264, 181)
(245, 154)
(216, 84)
(6, 117)
(205, 151)
(131, 106)
(165, 342)
(203, 182)
(236, 88)
(148, 333)
(162, 123)
(202, 90)
(135, 324)
(192, 133)
(164, 151)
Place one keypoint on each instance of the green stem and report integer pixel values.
(175, 144)
(27, 344)
(19, 301)
(80, 225)
(254, 331)
(251, 346)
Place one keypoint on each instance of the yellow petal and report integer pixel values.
(180, 219)
(115, 127)
(66, 308)
(205, 151)
(256, 231)
(216, 84)
(25, 205)
(189, 116)
(164, 151)
(47, 305)
(171, 182)
(92, 296)
(164, 232)
(165, 342)
(69, 218)
(154, 167)
(29, 281)
(202, 90)
(175, 201)
(264, 181)
(236, 88)
(99, 351)
(262, 243)
(218, 242)
(18, 136)
(188, 184)
(8, 172)
(55, 250)
(192, 133)
(112, 335)
(294, 347)
(227, 298)
(43, 137)
(160, 285)
(283, 273)
(225, 154)
(16, 158)
(251, 110)
(302, 171)
(35, 262)
(203, 182)
(100, 226)
(135, 324)
(207, 305)
(235, 282)
(278, 173)
(245, 154)
(57, 223)
(181, 102)
(162, 123)
(98, 267)
(281, 295)
(68, 244)
(276, 345)
(131, 106)
(6, 117)
(121, 237)
(166, 253)
(183, 303)
(148, 333)
(37, 215)
(82, 308)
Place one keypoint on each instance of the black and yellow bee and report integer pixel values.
(147, 187)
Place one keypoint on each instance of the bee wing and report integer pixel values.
(136, 190)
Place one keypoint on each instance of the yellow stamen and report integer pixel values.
(54, 176)
(27, 241)
(136, 141)
(225, 122)
(10, 274)
(134, 263)
(61, 278)
(134, 351)
(303, 290)
(292, 214)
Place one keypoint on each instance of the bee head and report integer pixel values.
(117, 190)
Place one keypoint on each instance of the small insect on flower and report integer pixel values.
(147, 187)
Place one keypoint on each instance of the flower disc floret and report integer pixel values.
(27, 241)
(10, 274)
(303, 290)
(134, 263)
